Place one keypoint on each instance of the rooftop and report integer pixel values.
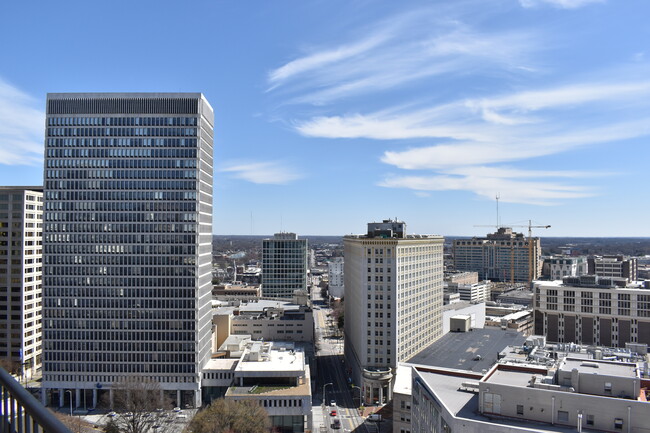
(605, 368)
(461, 350)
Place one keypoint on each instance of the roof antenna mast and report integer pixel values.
(498, 222)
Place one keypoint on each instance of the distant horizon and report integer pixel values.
(454, 236)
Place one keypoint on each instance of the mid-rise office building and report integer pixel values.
(21, 257)
(127, 243)
(335, 272)
(502, 256)
(284, 265)
(393, 302)
(593, 310)
(613, 266)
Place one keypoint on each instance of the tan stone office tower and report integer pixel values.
(127, 243)
(393, 302)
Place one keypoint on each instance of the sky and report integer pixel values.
(333, 113)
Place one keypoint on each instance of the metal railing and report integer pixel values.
(22, 413)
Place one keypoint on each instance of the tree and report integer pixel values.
(338, 311)
(75, 424)
(139, 403)
(11, 366)
(231, 416)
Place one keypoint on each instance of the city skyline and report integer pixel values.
(332, 114)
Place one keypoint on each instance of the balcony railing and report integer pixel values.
(22, 413)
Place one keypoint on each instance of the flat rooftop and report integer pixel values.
(605, 368)
(221, 364)
(446, 387)
(459, 350)
(513, 377)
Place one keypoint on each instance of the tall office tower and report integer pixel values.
(21, 257)
(284, 265)
(393, 302)
(127, 243)
(502, 256)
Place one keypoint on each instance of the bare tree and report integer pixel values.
(139, 404)
(11, 366)
(231, 416)
(75, 424)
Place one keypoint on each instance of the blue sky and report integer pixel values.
(333, 113)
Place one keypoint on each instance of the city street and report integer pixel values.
(331, 378)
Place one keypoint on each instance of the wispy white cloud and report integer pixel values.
(403, 50)
(21, 127)
(471, 135)
(561, 4)
(510, 190)
(268, 172)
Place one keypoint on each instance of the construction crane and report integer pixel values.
(533, 263)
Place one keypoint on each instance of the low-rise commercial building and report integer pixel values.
(572, 394)
(264, 319)
(275, 375)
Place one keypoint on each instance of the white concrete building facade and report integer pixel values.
(21, 262)
(127, 243)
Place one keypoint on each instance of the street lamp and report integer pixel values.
(359, 388)
(70, 400)
(324, 391)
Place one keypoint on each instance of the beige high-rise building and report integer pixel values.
(502, 256)
(21, 261)
(393, 302)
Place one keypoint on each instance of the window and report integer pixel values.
(562, 416)
(608, 386)
(520, 409)
(590, 420)
(618, 424)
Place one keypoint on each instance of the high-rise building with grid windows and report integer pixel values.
(393, 303)
(127, 243)
(284, 265)
(21, 256)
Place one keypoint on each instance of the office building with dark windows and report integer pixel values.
(284, 265)
(127, 244)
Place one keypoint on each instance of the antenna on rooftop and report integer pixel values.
(498, 222)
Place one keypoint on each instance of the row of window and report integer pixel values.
(120, 260)
(119, 249)
(122, 121)
(121, 132)
(138, 216)
(118, 363)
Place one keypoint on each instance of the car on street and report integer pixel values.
(333, 403)
(333, 412)
(336, 423)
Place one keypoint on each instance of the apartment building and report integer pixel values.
(502, 256)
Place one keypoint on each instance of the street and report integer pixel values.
(331, 378)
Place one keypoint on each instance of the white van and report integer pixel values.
(374, 417)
